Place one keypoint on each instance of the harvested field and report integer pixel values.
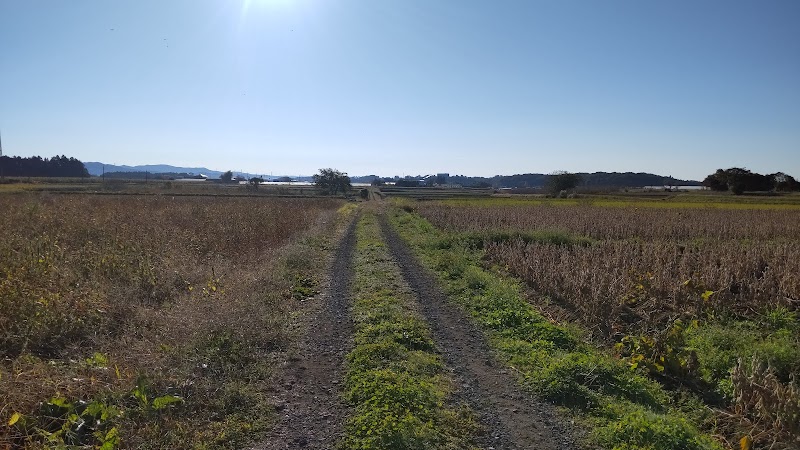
(149, 321)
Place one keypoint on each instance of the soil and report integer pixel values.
(512, 418)
(308, 394)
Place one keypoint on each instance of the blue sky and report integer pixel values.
(396, 87)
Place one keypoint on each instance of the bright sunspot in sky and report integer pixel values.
(401, 87)
(247, 5)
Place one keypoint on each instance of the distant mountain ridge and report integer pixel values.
(97, 168)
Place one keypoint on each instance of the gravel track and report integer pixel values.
(513, 418)
(307, 395)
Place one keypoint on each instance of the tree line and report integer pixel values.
(541, 180)
(36, 166)
(739, 181)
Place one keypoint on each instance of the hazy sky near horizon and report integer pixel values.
(396, 87)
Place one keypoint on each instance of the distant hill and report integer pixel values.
(149, 175)
(631, 179)
(96, 169)
(596, 179)
(537, 180)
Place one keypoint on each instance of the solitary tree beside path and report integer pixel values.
(332, 182)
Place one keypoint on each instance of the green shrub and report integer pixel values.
(373, 429)
(719, 346)
(641, 429)
(581, 380)
(396, 391)
(781, 318)
(408, 333)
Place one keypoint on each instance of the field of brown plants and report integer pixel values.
(148, 321)
(702, 299)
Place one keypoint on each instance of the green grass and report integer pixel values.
(719, 345)
(624, 409)
(395, 381)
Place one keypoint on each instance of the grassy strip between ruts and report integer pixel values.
(395, 381)
(624, 409)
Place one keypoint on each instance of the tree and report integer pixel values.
(36, 166)
(785, 183)
(562, 181)
(227, 177)
(332, 182)
(739, 180)
(254, 182)
(716, 181)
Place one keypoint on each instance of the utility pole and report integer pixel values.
(2, 174)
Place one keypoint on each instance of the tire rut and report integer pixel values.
(307, 396)
(513, 419)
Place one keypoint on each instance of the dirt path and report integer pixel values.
(308, 393)
(513, 418)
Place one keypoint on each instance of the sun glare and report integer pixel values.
(248, 4)
(260, 6)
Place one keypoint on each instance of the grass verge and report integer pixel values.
(625, 410)
(395, 380)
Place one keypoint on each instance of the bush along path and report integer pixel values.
(402, 395)
(307, 395)
(621, 409)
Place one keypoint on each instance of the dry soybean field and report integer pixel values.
(148, 321)
(701, 298)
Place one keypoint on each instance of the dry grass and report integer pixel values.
(769, 407)
(183, 297)
(621, 286)
(599, 222)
